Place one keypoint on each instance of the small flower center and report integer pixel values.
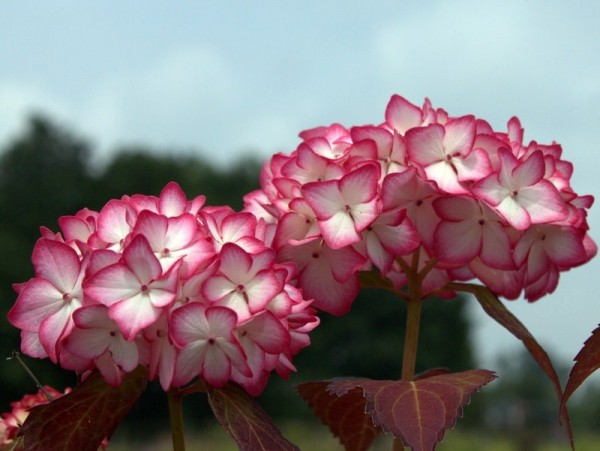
(145, 289)
(211, 341)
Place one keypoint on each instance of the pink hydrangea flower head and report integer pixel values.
(446, 193)
(156, 281)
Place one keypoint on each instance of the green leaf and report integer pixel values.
(245, 420)
(345, 415)
(80, 420)
(417, 412)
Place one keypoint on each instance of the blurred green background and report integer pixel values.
(47, 172)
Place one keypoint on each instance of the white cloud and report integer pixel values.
(267, 134)
(493, 59)
(452, 48)
(18, 99)
(179, 100)
(182, 99)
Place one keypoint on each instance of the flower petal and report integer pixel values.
(56, 262)
(140, 259)
(172, 200)
(133, 314)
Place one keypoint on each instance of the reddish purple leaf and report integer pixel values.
(345, 415)
(586, 362)
(497, 311)
(432, 372)
(245, 420)
(417, 412)
(83, 418)
(411, 413)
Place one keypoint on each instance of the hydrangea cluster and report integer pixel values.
(181, 288)
(446, 195)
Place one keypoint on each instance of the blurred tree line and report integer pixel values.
(47, 172)
(522, 404)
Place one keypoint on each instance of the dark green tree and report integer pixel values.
(139, 170)
(368, 342)
(585, 406)
(44, 174)
(522, 403)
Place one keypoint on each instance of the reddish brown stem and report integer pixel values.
(176, 416)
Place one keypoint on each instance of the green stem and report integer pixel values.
(411, 339)
(176, 416)
(17, 357)
(413, 321)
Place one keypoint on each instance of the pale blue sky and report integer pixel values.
(235, 77)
